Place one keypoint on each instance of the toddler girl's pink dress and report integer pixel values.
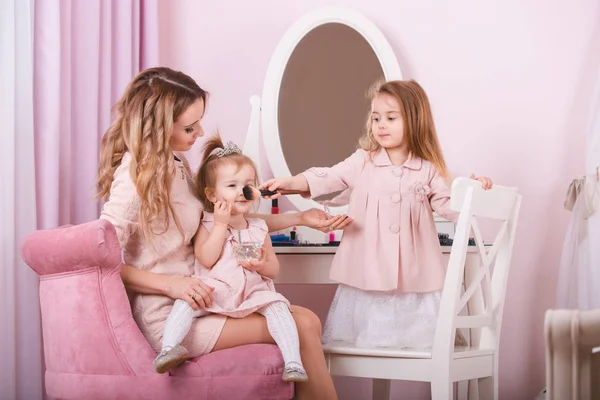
(238, 291)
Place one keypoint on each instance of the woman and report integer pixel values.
(151, 202)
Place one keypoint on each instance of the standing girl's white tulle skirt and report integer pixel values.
(382, 319)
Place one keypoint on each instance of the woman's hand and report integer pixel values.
(486, 183)
(222, 212)
(318, 219)
(192, 290)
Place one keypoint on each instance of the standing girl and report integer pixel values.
(389, 263)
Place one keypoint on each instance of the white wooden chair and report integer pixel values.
(472, 299)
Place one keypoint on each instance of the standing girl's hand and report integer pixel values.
(486, 183)
(274, 184)
(222, 212)
(297, 182)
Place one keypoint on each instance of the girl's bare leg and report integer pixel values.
(253, 329)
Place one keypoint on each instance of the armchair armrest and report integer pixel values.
(72, 248)
(83, 300)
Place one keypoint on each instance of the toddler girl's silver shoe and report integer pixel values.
(170, 358)
(294, 373)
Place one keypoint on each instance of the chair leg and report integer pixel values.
(381, 389)
(474, 389)
(468, 390)
(463, 390)
(442, 389)
(595, 384)
(488, 389)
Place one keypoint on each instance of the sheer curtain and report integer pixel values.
(579, 275)
(20, 332)
(63, 64)
(591, 279)
(85, 54)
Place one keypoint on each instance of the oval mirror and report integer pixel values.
(314, 105)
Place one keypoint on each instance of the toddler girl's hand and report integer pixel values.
(255, 266)
(486, 183)
(222, 212)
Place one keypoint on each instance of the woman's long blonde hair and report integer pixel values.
(146, 113)
(419, 128)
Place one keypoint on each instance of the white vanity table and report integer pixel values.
(311, 264)
(302, 265)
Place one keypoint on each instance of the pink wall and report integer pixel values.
(510, 84)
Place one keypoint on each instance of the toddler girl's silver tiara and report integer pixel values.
(230, 148)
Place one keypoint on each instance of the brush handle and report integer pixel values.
(264, 192)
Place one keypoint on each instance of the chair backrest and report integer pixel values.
(479, 287)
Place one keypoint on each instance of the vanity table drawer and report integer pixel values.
(304, 268)
(310, 265)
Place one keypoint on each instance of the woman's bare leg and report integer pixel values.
(319, 384)
(253, 329)
(241, 331)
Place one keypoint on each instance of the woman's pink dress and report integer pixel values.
(171, 254)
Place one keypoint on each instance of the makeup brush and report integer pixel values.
(252, 193)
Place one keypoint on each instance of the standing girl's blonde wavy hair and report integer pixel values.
(419, 128)
(151, 104)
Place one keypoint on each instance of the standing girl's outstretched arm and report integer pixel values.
(322, 181)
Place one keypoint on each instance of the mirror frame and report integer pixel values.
(273, 78)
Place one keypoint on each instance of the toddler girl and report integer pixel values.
(236, 258)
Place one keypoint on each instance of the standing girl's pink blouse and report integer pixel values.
(393, 243)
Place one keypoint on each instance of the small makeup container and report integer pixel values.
(248, 251)
(274, 206)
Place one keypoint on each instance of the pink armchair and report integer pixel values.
(93, 349)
